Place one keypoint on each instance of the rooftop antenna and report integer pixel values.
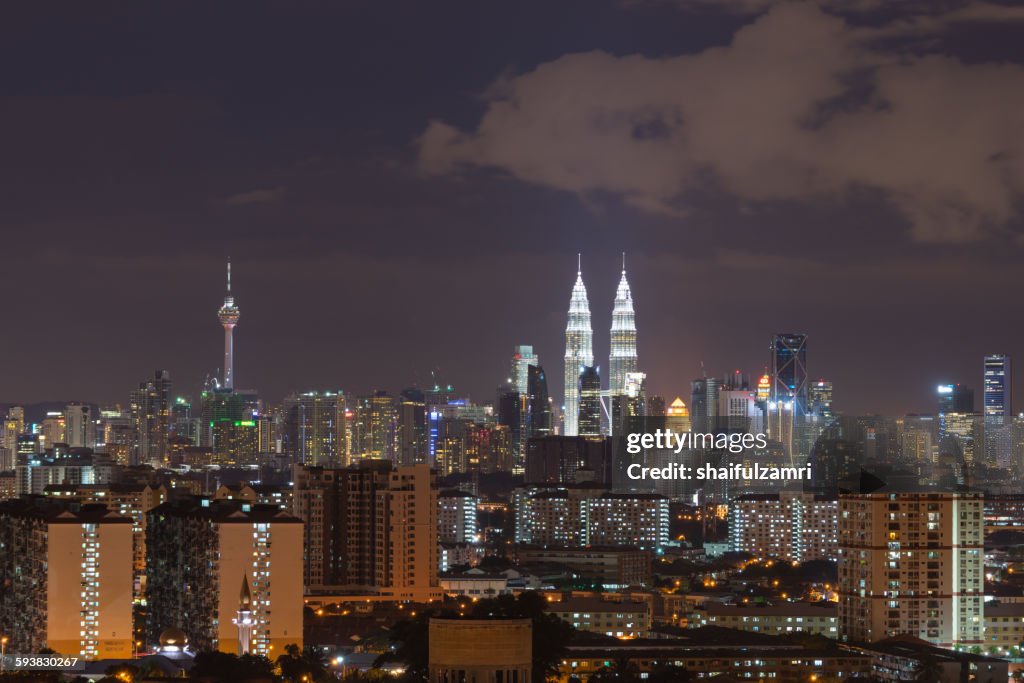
(229, 274)
(623, 263)
(579, 263)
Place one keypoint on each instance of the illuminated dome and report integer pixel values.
(173, 638)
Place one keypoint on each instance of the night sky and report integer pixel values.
(403, 186)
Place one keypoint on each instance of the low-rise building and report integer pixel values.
(617, 619)
(817, 618)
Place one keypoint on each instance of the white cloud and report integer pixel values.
(779, 114)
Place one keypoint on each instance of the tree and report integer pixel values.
(307, 665)
(212, 665)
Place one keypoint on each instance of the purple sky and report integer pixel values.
(403, 188)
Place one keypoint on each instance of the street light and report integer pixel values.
(3, 653)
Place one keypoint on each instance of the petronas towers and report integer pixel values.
(579, 345)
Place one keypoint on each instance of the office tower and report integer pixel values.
(151, 414)
(375, 426)
(790, 526)
(539, 421)
(630, 404)
(200, 552)
(738, 410)
(512, 414)
(568, 459)
(13, 427)
(819, 397)
(589, 423)
(79, 426)
(228, 314)
(456, 517)
(789, 370)
(579, 352)
(53, 430)
(998, 406)
(911, 563)
(522, 359)
(699, 403)
(314, 430)
(182, 422)
(370, 527)
(486, 448)
(656, 406)
(218, 406)
(411, 431)
(622, 359)
(954, 398)
(235, 443)
(997, 387)
(67, 575)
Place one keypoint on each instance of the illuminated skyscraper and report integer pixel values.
(79, 425)
(820, 398)
(228, 316)
(151, 416)
(538, 406)
(998, 409)
(590, 402)
(522, 359)
(579, 351)
(623, 348)
(314, 427)
(997, 386)
(789, 370)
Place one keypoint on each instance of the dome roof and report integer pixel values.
(173, 637)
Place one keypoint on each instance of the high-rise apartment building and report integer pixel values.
(66, 571)
(589, 515)
(375, 427)
(456, 517)
(411, 428)
(314, 425)
(622, 359)
(151, 416)
(369, 527)
(79, 425)
(201, 552)
(789, 525)
(912, 563)
(128, 500)
(579, 352)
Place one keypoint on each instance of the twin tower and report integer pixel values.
(579, 344)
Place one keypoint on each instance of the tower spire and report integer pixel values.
(228, 315)
(579, 263)
(623, 358)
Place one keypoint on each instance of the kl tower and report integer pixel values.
(228, 316)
